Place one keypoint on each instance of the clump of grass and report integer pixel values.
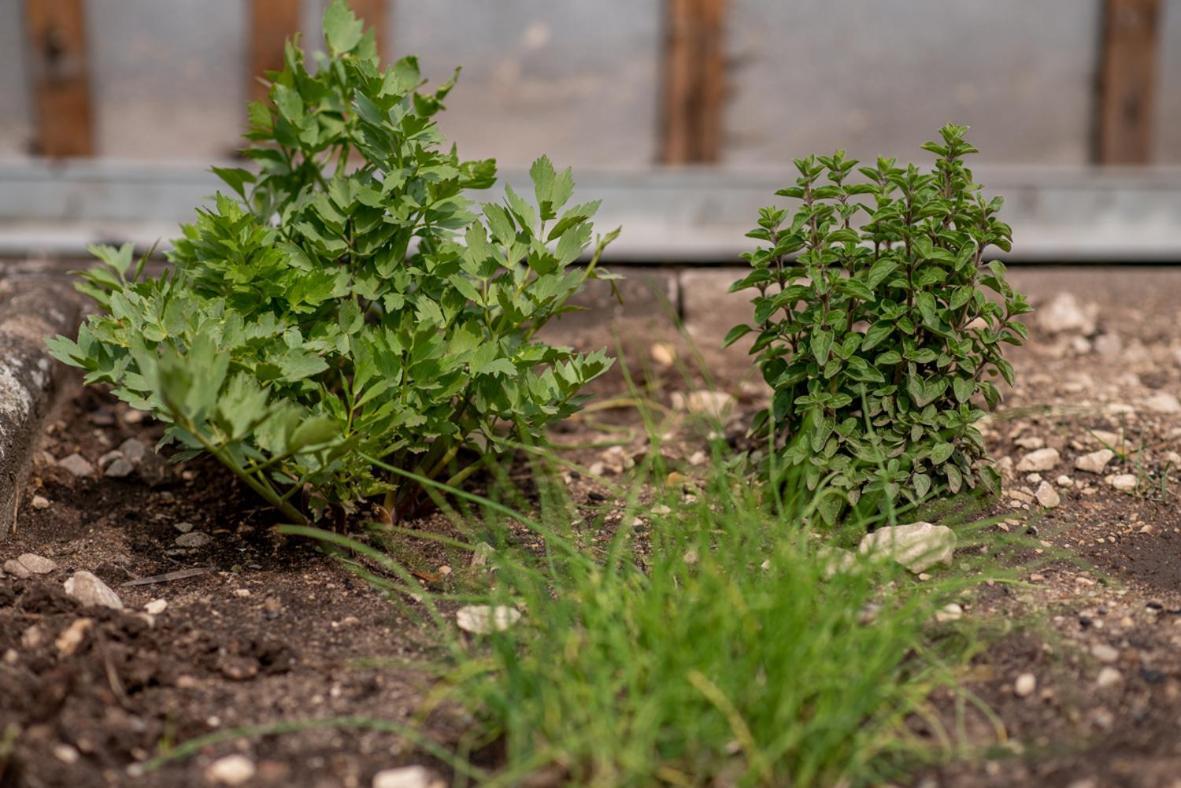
(711, 643)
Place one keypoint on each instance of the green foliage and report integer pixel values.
(348, 300)
(703, 648)
(873, 326)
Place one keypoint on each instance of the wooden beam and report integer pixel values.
(272, 22)
(1127, 81)
(56, 31)
(694, 81)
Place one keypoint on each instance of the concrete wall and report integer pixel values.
(580, 79)
(879, 78)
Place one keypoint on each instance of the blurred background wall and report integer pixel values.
(651, 99)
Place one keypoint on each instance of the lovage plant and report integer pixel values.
(348, 303)
(874, 328)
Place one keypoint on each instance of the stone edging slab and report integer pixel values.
(31, 309)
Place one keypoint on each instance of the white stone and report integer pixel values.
(1039, 460)
(16, 569)
(482, 619)
(1030, 442)
(717, 404)
(230, 770)
(1108, 677)
(38, 565)
(1094, 462)
(1025, 684)
(1065, 313)
(91, 591)
(917, 546)
(1163, 402)
(73, 635)
(156, 607)
(663, 354)
(407, 777)
(1104, 652)
(1064, 481)
(834, 560)
(1047, 496)
(1124, 482)
(949, 612)
(40, 502)
(77, 465)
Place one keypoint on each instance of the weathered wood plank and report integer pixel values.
(59, 73)
(694, 81)
(1127, 81)
(272, 22)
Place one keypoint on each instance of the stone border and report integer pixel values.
(32, 309)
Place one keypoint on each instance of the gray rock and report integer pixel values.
(133, 450)
(119, 469)
(1094, 462)
(16, 569)
(108, 458)
(917, 546)
(37, 564)
(1040, 460)
(1163, 402)
(193, 539)
(183, 527)
(1124, 482)
(1047, 496)
(91, 591)
(77, 465)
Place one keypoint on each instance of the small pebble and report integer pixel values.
(77, 465)
(193, 539)
(1104, 652)
(40, 502)
(1108, 677)
(156, 606)
(1025, 685)
(119, 468)
(230, 770)
(407, 777)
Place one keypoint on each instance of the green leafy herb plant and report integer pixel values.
(874, 329)
(348, 302)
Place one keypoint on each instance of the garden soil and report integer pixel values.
(256, 628)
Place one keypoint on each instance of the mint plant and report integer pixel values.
(874, 328)
(346, 302)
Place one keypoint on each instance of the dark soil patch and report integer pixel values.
(264, 629)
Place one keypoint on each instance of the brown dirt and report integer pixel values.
(270, 630)
(274, 630)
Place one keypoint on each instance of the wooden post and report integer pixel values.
(56, 31)
(693, 81)
(1127, 81)
(272, 22)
